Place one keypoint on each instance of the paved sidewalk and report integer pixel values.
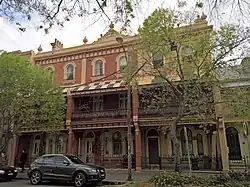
(119, 175)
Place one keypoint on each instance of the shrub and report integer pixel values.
(176, 179)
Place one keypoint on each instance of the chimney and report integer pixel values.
(56, 45)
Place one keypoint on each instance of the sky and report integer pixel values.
(73, 33)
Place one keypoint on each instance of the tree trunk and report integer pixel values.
(176, 145)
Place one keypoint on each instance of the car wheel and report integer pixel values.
(35, 177)
(79, 179)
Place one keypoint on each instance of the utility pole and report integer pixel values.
(120, 40)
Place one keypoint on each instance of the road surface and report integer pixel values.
(25, 183)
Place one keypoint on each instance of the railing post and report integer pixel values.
(160, 165)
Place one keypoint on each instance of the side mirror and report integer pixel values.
(65, 162)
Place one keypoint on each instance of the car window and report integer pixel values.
(60, 159)
(39, 160)
(74, 159)
(49, 159)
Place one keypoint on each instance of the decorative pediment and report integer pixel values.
(110, 35)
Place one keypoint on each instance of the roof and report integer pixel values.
(96, 86)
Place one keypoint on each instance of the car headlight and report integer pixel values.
(92, 170)
(15, 171)
(2, 171)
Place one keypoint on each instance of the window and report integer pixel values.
(123, 63)
(123, 101)
(60, 159)
(36, 145)
(117, 143)
(60, 144)
(70, 72)
(74, 159)
(200, 144)
(50, 72)
(98, 103)
(49, 159)
(183, 142)
(39, 160)
(187, 53)
(106, 146)
(50, 146)
(98, 68)
(157, 60)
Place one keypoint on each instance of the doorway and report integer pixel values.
(233, 143)
(90, 147)
(153, 146)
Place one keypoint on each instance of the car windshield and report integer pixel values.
(74, 159)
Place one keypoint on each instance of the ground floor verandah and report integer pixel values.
(108, 147)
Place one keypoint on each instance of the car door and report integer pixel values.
(64, 168)
(49, 166)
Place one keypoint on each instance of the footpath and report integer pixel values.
(118, 176)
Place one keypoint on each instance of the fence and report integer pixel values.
(108, 161)
(197, 163)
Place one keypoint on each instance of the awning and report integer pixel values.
(96, 86)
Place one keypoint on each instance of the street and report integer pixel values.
(25, 183)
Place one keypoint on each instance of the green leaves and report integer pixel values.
(28, 98)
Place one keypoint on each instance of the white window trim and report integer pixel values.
(65, 70)
(118, 60)
(93, 63)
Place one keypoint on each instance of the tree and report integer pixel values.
(185, 60)
(28, 99)
(57, 12)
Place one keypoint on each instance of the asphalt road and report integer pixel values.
(25, 183)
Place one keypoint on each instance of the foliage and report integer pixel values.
(176, 179)
(47, 14)
(188, 61)
(28, 97)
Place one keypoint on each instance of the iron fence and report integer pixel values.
(197, 163)
(108, 161)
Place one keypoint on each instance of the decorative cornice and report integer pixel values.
(78, 56)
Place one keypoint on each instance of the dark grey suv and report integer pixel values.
(65, 167)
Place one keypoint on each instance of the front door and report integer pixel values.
(153, 150)
(90, 150)
(233, 144)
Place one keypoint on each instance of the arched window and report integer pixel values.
(233, 143)
(70, 72)
(183, 142)
(200, 144)
(60, 144)
(123, 63)
(158, 60)
(50, 72)
(117, 143)
(98, 68)
(187, 53)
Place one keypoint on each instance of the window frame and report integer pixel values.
(66, 71)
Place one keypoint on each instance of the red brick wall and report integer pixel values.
(110, 67)
(59, 72)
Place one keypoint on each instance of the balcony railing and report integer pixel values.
(170, 111)
(113, 113)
